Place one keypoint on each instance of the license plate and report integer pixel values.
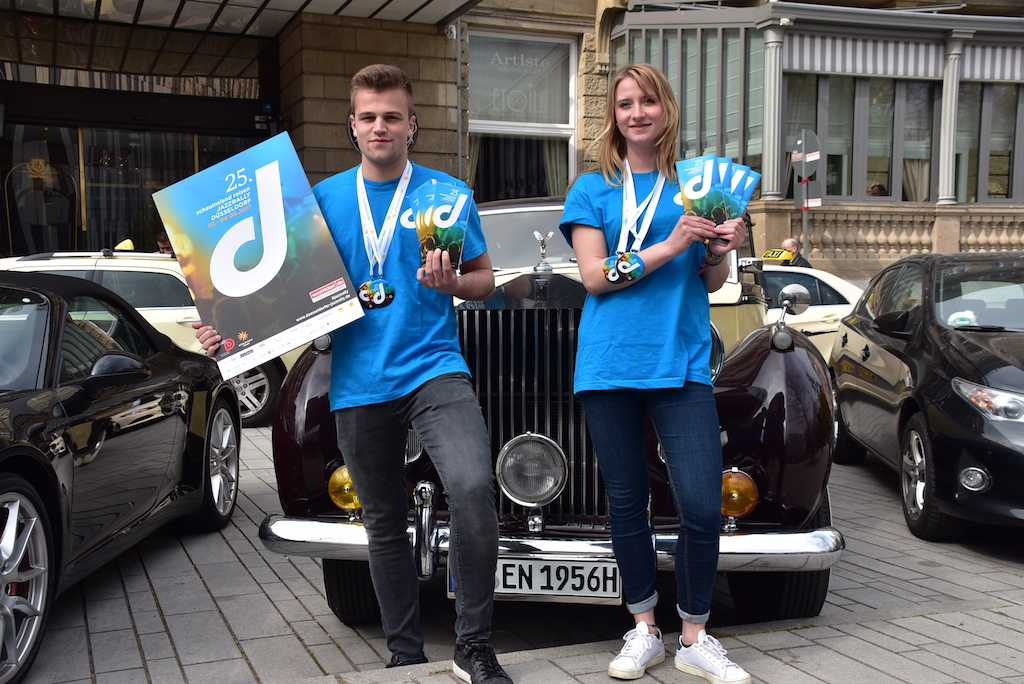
(587, 579)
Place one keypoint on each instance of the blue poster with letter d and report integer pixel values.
(257, 255)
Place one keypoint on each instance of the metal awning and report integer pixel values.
(194, 38)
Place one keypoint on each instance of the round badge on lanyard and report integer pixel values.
(375, 294)
(626, 265)
(623, 268)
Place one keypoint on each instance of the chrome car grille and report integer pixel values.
(522, 361)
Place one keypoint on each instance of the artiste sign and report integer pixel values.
(513, 79)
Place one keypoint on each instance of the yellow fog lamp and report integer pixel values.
(739, 493)
(341, 491)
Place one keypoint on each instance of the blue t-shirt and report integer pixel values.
(392, 350)
(655, 333)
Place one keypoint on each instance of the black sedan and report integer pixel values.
(929, 375)
(107, 431)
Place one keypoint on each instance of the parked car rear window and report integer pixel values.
(147, 290)
(821, 293)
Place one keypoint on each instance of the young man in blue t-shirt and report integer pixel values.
(400, 366)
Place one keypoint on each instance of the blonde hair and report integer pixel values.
(611, 145)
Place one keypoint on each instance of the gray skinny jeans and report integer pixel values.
(445, 414)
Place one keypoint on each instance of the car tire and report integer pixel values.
(220, 469)
(917, 487)
(350, 591)
(27, 544)
(847, 451)
(767, 596)
(257, 391)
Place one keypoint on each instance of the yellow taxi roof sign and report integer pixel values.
(778, 254)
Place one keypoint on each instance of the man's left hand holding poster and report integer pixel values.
(257, 255)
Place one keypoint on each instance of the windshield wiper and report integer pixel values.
(981, 328)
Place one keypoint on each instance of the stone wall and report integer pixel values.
(855, 240)
(320, 53)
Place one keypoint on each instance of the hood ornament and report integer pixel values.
(543, 264)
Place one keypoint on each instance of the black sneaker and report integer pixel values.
(399, 661)
(477, 664)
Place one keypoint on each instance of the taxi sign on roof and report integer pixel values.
(780, 254)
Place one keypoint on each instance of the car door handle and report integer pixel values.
(865, 353)
(831, 318)
(188, 320)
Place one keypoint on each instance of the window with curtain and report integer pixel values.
(876, 134)
(986, 142)
(522, 115)
(881, 99)
(1005, 98)
(839, 148)
(917, 141)
(717, 75)
(802, 101)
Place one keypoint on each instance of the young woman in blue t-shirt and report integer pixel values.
(644, 348)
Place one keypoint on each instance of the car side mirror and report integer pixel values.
(114, 368)
(750, 265)
(893, 323)
(794, 299)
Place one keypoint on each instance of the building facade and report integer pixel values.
(915, 108)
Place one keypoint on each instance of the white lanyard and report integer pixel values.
(631, 212)
(377, 245)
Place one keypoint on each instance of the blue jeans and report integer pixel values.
(445, 414)
(686, 420)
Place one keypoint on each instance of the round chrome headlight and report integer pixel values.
(532, 470)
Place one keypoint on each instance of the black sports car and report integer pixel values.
(929, 374)
(107, 431)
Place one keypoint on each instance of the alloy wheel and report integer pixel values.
(223, 461)
(25, 572)
(914, 475)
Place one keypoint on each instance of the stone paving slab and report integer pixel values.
(193, 608)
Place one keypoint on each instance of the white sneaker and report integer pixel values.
(642, 650)
(707, 659)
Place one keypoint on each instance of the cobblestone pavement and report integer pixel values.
(182, 607)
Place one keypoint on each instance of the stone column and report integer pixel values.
(771, 144)
(947, 126)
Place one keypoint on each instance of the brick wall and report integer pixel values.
(319, 54)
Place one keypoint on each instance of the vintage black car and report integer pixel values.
(774, 401)
(929, 375)
(107, 431)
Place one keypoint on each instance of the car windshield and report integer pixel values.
(22, 329)
(981, 295)
(512, 241)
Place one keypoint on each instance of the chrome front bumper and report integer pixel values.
(806, 550)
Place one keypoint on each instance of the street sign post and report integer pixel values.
(806, 157)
